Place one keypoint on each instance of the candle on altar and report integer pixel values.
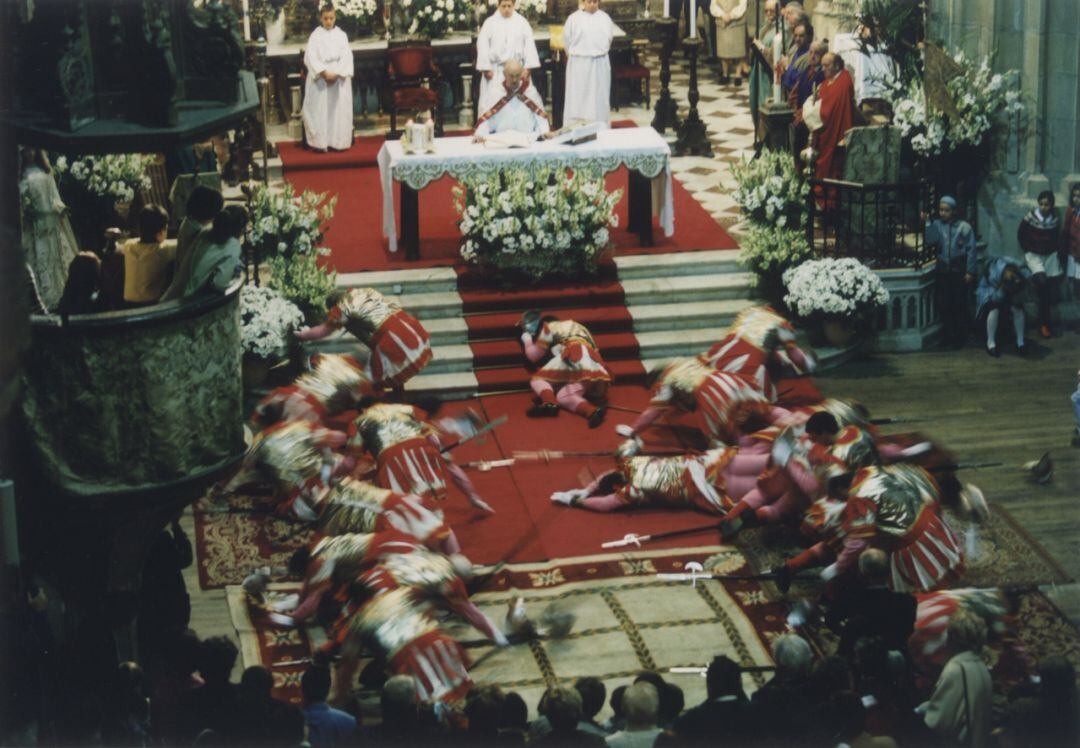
(247, 20)
(691, 18)
(667, 8)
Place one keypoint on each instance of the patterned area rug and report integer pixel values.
(1005, 555)
(619, 628)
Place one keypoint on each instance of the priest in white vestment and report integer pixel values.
(505, 35)
(587, 37)
(520, 109)
(328, 99)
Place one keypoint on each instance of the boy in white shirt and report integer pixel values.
(328, 99)
(587, 37)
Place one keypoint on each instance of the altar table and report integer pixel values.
(641, 150)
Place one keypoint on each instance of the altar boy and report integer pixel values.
(328, 101)
(587, 36)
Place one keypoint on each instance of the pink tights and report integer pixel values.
(570, 397)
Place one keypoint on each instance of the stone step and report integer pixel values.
(711, 262)
(664, 344)
(457, 385)
(674, 316)
(401, 282)
(681, 289)
(435, 305)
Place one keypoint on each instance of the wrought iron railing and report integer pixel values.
(879, 224)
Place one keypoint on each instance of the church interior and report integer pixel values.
(568, 372)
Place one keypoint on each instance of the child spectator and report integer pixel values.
(202, 208)
(999, 290)
(1038, 237)
(1070, 239)
(148, 263)
(217, 255)
(81, 289)
(953, 242)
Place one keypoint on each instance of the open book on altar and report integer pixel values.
(576, 132)
(509, 139)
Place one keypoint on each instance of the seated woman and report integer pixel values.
(216, 258)
(999, 290)
(81, 291)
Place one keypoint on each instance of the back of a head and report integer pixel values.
(256, 684)
(181, 653)
(844, 717)
(216, 658)
(315, 684)
(874, 566)
(399, 700)
(1057, 679)
(593, 692)
(286, 726)
(822, 423)
(641, 705)
(672, 701)
(204, 203)
(616, 701)
(723, 678)
(831, 675)
(84, 277)
(967, 632)
(562, 707)
(483, 708)
(792, 656)
(152, 221)
(230, 223)
(514, 714)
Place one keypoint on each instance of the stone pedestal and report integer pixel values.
(911, 321)
(777, 119)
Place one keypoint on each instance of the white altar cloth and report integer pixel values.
(640, 149)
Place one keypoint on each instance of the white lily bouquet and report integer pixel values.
(837, 289)
(434, 18)
(532, 224)
(287, 224)
(354, 15)
(982, 98)
(771, 191)
(267, 320)
(115, 176)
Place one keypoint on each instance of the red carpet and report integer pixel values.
(355, 233)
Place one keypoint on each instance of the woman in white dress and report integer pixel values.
(505, 36)
(328, 98)
(47, 239)
(587, 37)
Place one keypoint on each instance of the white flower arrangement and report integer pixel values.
(284, 223)
(536, 223)
(532, 9)
(435, 18)
(834, 288)
(981, 97)
(267, 320)
(117, 177)
(770, 190)
(769, 252)
(361, 10)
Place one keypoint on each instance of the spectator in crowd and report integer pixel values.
(1076, 411)
(148, 262)
(217, 257)
(889, 700)
(953, 243)
(81, 290)
(959, 709)
(256, 706)
(1047, 714)
(562, 707)
(872, 609)
(483, 710)
(785, 697)
(513, 720)
(616, 721)
(178, 663)
(326, 726)
(213, 705)
(1038, 237)
(287, 728)
(1000, 290)
(592, 692)
(1070, 239)
(127, 710)
(671, 697)
(164, 606)
(203, 206)
(725, 707)
(641, 705)
(401, 724)
(111, 294)
(842, 721)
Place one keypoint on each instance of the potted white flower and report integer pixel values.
(843, 295)
(267, 321)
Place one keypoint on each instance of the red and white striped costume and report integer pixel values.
(760, 345)
(722, 401)
(574, 357)
(335, 383)
(928, 643)
(895, 508)
(400, 346)
(352, 506)
(405, 449)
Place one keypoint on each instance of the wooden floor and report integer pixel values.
(984, 409)
(1008, 409)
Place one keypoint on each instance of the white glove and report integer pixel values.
(625, 430)
(526, 338)
(500, 639)
(829, 573)
(781, 452)
(916, 449)
(562, 497)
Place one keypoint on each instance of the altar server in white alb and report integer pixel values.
(519, 110)
(505, 36)
(587, 37)
(328, 100)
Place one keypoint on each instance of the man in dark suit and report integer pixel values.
(873, 609)
(725, 711)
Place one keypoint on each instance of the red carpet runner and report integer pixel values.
(355, 233)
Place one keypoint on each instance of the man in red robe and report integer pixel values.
(837, 95)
